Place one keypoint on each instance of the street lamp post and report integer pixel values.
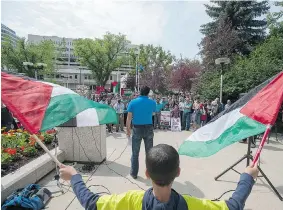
(36, 67)
(137, 70)
(221, 61)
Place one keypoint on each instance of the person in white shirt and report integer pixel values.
(119, 108)
(228, 104)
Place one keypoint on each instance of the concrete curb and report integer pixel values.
(29, 173)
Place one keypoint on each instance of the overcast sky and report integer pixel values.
(172, 24)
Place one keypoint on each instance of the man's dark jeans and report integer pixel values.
(140, 132)
(187, 120)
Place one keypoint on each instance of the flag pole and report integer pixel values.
(46, 149)
(264, 138)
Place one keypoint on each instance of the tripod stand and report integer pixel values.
(249, 157)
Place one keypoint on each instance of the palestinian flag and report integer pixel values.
(40, 106)
(248, 116)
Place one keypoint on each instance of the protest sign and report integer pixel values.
(165, 118)
(175, 124)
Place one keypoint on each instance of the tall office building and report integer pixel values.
(6, 32)
(69, 72)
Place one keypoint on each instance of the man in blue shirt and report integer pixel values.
(140, 112)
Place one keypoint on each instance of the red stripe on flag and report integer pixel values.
(27, 100)
(265, 105)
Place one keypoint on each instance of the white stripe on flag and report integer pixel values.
(213, 130)
(58, 89)
(87, 117)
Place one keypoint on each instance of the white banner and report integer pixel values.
(176, 124)
(165, 118)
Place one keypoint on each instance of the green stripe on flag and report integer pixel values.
(243, 128)
(62, 108)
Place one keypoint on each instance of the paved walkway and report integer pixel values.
(196, 179)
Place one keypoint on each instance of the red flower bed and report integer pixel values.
(19, 147)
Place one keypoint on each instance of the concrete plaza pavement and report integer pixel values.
(196, 179)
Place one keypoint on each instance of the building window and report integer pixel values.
(76, 76)
(71, 77)
(85, 77)
(110, 78)
(57, 76)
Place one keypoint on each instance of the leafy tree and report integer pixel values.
(275, 22)
(244, 18)
(13, 55)
(151, 57)
(223, 43)
(155, 62)
(157, 79)
(184, 74)
(102, 56)
(247, 72)
(131, 80)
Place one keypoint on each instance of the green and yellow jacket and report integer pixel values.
(145, 200)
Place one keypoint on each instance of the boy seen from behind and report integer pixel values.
(162, 167)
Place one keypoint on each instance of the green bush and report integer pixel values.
(246, 72)
(6, 158)
(30, 151)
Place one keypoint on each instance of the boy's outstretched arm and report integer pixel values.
(243, 190)
(87, 198)
(236, 202)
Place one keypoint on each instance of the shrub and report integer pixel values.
(30, 151)
(6, 158)
(17, 142)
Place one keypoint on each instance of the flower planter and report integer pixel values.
(29, 173)
(19, 148)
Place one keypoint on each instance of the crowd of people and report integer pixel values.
(192, 111)
(162, 163)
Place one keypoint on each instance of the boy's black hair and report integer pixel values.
(162, 163)
(145, 91)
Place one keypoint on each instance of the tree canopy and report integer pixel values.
(223, 43)
(14, 54)
(151, 57)
(275, 22)
(247, 72)
(244, 17)
(102, 56)
(184, 74)
(155, 62)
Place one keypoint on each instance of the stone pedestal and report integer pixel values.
(86, 144)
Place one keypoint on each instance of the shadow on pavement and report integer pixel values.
(272, 148)
(262, 184)
(114, 166)
(116, 135)
(186, 189)
(280, 189)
